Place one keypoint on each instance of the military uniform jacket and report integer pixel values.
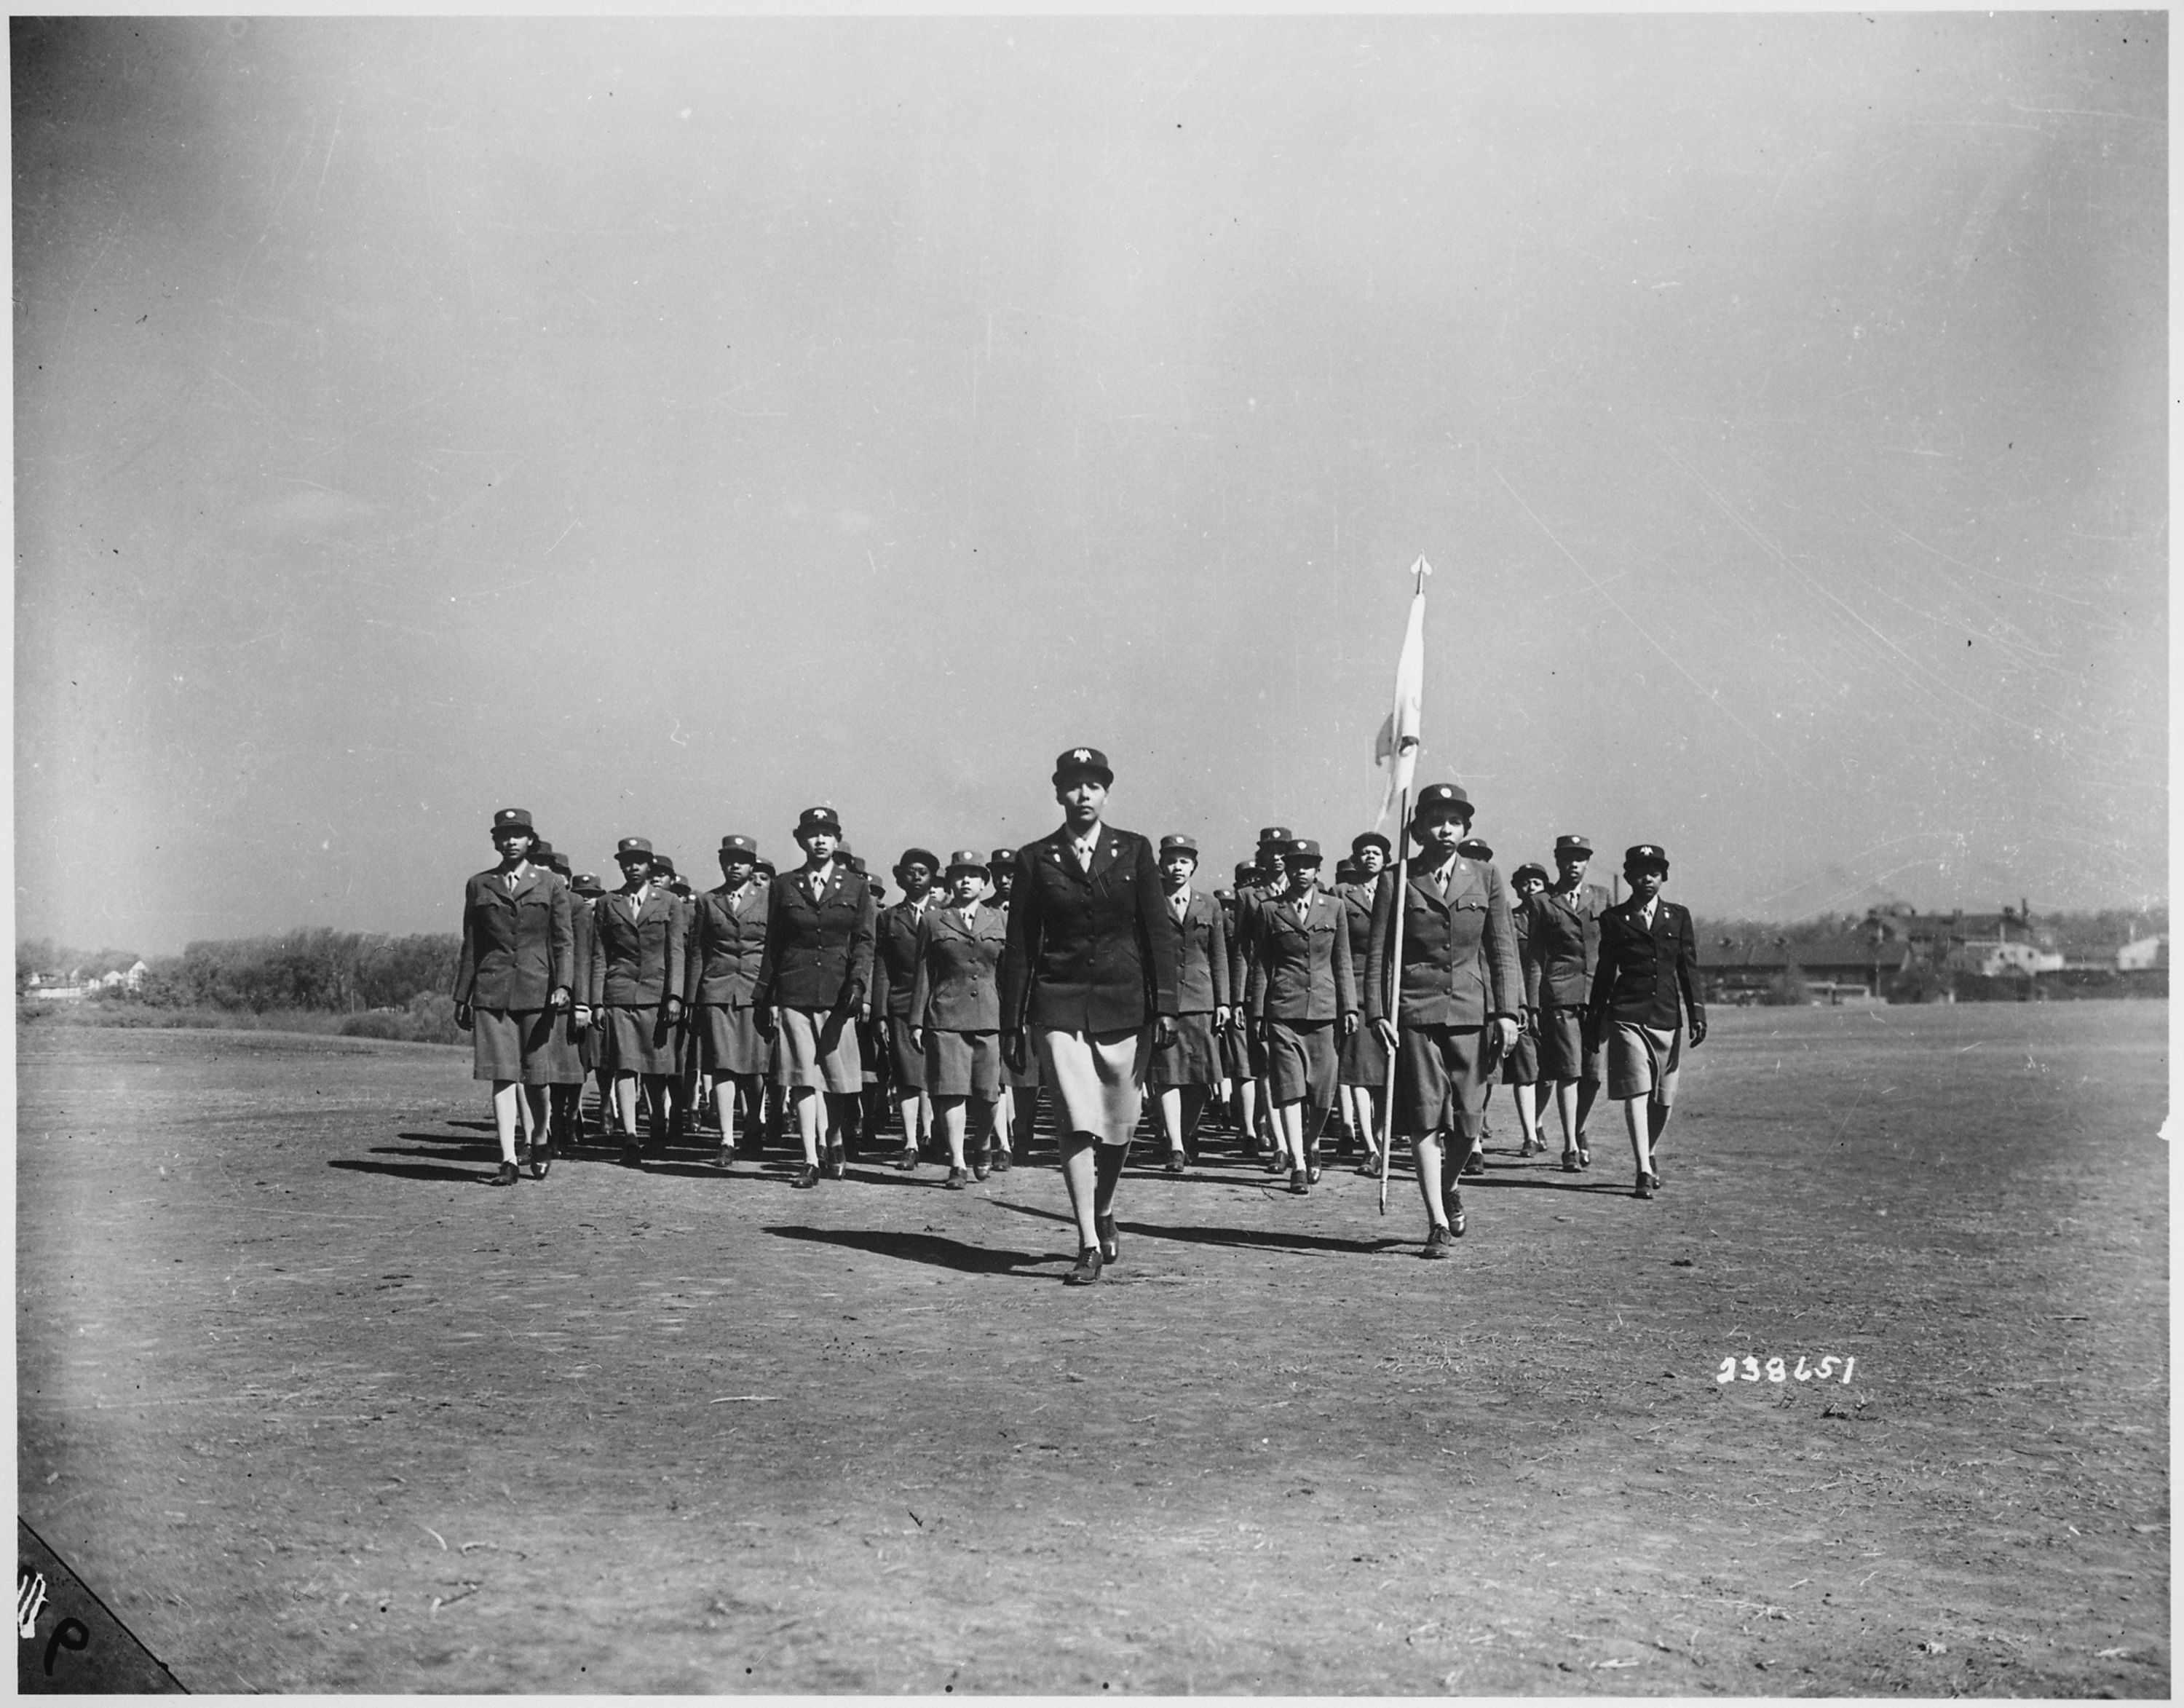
(519, 946)
(1641, 971)
(727, 938)
(1459, 950)
(1563, 944)
(818, 954)
(895, 957)
(1201, 954)
(1086, 952)
(956, 986)
(1250, 898)
(580, 933)
(1357, 914)
(1301, 966)
(637, 959)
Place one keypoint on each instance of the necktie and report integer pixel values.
(816, 882)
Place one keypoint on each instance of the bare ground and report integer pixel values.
(312, 1411)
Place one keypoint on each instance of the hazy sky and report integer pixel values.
(668, 425)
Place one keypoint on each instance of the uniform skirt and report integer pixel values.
(636, 1040)
(1364, 1059)
(1301, 1063)
(1235, 1062)
(1521, 1066)
(1193, 1059)
(512, 1044)
(962, 1064)
(728, 1039)
(818, 1048)
(1642, 1061)
(565, 1050)
(1562, 1053)
(1440, 1080)
(905, 1060)
(1096, 1080)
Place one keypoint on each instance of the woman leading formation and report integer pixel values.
(1458, 994)
(1088, 988)
(513, 981)
(814, 977)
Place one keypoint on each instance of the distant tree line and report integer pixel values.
(311, 968)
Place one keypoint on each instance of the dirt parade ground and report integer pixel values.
(311, 1409)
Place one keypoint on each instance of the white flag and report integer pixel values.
(1396, 746)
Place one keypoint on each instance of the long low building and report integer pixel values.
(1828, 968)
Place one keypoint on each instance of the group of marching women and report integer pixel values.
(1086, 964)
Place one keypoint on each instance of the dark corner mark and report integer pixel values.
(68, 1642)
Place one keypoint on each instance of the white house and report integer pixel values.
(2143, 952)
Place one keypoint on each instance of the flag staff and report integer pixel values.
(1410, 674)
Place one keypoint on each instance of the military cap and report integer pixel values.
(1357, 844)
(542, 851)
(1002, 858)
(816, 820)
(1530, 869)
(1083, 762)
(1643, 855)
(1573, 845)
(514, 818)
(559, 863)
(1274, 833)
(588, 884)
(1345, 871)
(855, 863)
(631, 847)
(1440, 796)
(1473, 849)
(739, 844)
(1176, 843)
(963, 860)
(924, 856)
(1302, 848)
(1246, 870)
(662, 865)
(764, 866)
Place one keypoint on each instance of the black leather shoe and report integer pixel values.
(541, 1159)
(1456, 1217)
(957, 1180)
(724, 1157)
(1644, 1189)
(1475, 1164)
(837, 1167)
(1175, 1162)
(907, 1163)
(508, 1176)
(1569, 1162)
(806, 1178)
(632, 1158)
(1439, 1243)
(1110, 1245)
(1087, 1270)
(1298, 1184)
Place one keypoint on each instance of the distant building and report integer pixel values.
(2003, 959)
(1846, 966)
(2142, 953)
